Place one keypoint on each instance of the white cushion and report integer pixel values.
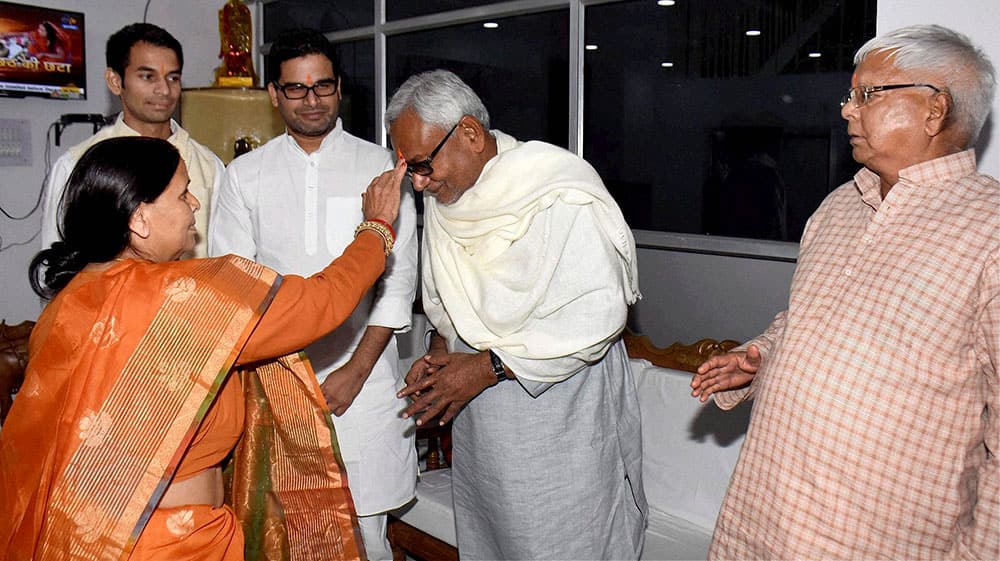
(432, 510)
(672, 538)
(689, 452)
(689, 449)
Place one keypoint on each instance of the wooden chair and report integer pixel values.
(409, 541)
(678, 355)
(13, 361)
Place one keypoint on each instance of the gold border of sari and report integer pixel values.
(289, 484)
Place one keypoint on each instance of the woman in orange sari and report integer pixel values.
(115, 444)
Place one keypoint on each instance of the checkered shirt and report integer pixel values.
(876, 418)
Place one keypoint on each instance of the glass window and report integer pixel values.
(357, 105)
(325, 15)
(400, 9)
(357, 60)
(702, 117)
(520, 69)
(723, 117)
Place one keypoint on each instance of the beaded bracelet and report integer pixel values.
(388, 239)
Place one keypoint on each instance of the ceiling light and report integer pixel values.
(815, 55)
(491, 25)
(591, 47)
(667, 64)
(665, 2)
(753, 32)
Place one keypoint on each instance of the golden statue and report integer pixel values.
(236, 36)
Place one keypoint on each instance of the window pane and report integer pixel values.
(399, 9)
(519, 69)
(697, 127)
(357, 105)
(325, 15)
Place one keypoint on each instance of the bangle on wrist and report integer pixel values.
(386, 224)
(496, 366)
(379, 227)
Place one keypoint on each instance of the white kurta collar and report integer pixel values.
(329, 141)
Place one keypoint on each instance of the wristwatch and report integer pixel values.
(497, 365)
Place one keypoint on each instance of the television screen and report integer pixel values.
(41, 52)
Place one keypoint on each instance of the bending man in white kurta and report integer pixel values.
(292, 205)
(528, 271)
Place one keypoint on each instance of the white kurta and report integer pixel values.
(295, 212)
(204, 169)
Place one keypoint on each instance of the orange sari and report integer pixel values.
(123, 366)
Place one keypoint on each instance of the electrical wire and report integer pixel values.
(38, 200)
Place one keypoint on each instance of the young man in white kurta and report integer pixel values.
(144, 71)
(204, 168)
(292, 205)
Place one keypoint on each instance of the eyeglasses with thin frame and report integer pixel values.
(861, 95)
(423, 167)
(295, 90)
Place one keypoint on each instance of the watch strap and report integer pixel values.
(497, 365)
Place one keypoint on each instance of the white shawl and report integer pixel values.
(534, 261)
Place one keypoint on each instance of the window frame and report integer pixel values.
(382, 29)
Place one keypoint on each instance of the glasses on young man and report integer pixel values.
(295, 90)
(859, 96)
(423, 167)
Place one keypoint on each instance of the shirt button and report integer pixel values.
(848, 271)
(312, 163)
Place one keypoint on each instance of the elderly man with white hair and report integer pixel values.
(876, 422)
(528, 271)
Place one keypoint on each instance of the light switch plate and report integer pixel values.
(15, 142)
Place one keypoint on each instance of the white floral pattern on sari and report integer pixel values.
(94, 428)
(173, 374)
(181, 289)
(105, 332)
(181, 522)
(88, 524)
(32, 387)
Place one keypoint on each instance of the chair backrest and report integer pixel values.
(13, 361)
(689, 448)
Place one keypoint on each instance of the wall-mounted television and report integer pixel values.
(41, 52)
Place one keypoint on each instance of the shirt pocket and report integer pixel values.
(343, 214)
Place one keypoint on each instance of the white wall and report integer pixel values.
(979, 19)
(193, 22)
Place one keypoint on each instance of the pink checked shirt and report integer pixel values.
(876, 419)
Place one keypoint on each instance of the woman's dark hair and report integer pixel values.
(105, 188)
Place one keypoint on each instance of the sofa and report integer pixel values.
(689, 452)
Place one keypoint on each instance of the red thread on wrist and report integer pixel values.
(387, 225)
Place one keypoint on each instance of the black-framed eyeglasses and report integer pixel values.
(295, 90)
(859, 96)
(423, 167)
